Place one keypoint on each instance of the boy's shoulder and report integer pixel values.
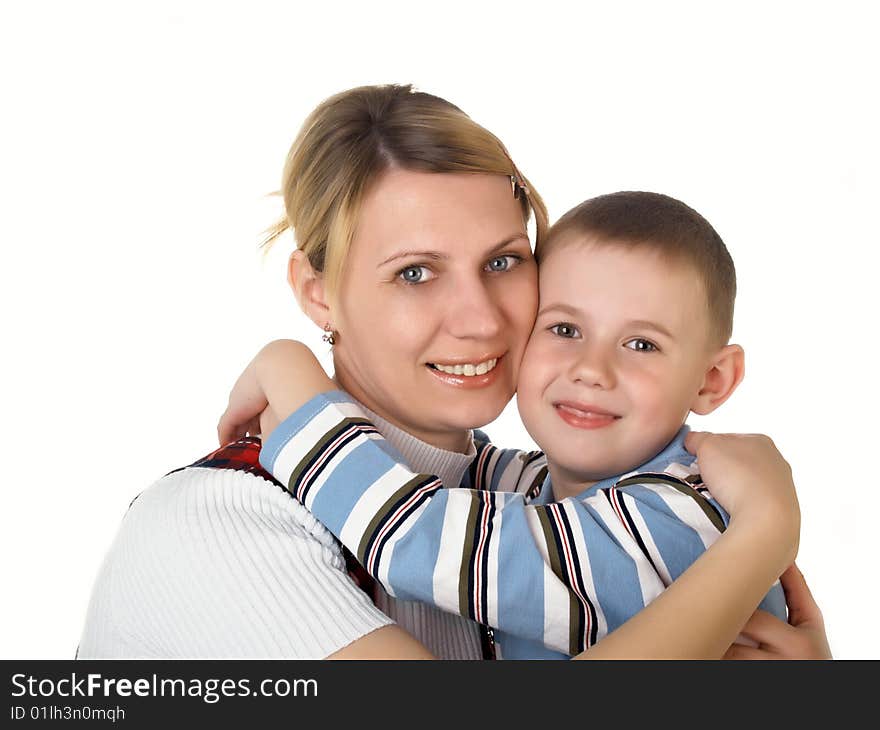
(674, 460)
(673, 466)
(673, 483)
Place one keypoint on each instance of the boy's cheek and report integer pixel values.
(537, 373)
(528, 403)
(533, 369)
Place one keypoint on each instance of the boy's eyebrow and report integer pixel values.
(437, 256)
(559, 307)
(639, 323)
(646, 324)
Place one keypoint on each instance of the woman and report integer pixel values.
(383, 187)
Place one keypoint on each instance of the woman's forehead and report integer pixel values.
(436, 211)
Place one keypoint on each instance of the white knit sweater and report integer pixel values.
(221, 563)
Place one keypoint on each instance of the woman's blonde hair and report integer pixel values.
(352, 137)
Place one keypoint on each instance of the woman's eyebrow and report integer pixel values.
(507, 241)
(433, 255)
(437, 256)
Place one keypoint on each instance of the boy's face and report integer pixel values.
(618, 354)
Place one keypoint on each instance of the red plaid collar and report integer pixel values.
(241, 455)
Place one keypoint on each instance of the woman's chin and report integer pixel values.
(468, 416)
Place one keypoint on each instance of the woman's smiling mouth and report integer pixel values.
(477, 374)
(466, 369)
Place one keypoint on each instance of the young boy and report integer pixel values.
(636, 308)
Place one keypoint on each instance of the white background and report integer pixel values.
(138, 142)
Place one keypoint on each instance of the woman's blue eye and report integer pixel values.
(502, 263)
(640, 345)
(415, 274)
(564, 329)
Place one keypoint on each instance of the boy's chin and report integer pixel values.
(577, 470)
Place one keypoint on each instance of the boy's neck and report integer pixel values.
(565, 484)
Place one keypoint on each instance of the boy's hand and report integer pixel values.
(744, 472)
(246, 402)
(282, 377)
(748, 476)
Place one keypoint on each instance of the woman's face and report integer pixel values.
(436, 303)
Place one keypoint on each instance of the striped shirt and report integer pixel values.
(552, 578)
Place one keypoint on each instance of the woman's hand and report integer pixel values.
(803, 637)
(282, 377)
(748, 476)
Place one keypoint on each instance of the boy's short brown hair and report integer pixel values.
(663, 224)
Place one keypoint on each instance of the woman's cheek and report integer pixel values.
(518, 293)
(528, 297)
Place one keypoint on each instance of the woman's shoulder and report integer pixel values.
(217, 492)
(222, 562)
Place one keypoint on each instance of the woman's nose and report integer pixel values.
(593, 366)
(474, 311)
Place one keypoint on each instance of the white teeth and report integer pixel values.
(469, 369)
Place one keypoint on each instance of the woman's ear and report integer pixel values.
(308, 287)
(726, 371)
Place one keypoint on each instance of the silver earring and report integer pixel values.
(329, 335)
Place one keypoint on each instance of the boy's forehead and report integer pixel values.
(585, 272)
(612, 256)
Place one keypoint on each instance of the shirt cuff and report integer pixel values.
(296, 422)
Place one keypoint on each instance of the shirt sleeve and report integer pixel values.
(216, 563)
(505, 470)
(565, 574)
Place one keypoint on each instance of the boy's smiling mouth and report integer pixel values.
(584, 415)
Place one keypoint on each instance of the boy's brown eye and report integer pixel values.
(640, 345)
(564, 329)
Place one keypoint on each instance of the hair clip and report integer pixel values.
(517, 187)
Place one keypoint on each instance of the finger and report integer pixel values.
(694, 439)
(252, 428)
(802, 607)
(268, 422)
(766, 629)
(738, 652)
(223, 430)
(228, 431)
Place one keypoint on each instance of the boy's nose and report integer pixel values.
(593, 368)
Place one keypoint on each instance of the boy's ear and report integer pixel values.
(724, 374)
(308, 287)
